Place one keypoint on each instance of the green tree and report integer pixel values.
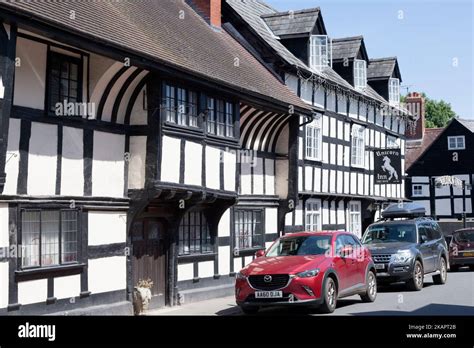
(438, 113)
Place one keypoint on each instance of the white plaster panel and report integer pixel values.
(107, 274)
(107, 227)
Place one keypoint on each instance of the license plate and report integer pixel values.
(379, 266)
(268, 294)
(469, 254)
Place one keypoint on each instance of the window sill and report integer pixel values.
(196, 258)
(47, 272)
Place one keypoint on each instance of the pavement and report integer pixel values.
(456, 297)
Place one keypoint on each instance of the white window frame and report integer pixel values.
(354, 218)
(394, 91)
(313, 217)
(314, 139)
(358, 146)
(457, 145)
(416, 192)
(360, 73)
(392, 142)
(320, 52)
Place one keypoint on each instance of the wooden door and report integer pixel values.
(149, 257)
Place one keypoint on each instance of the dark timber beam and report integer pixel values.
(7, 73)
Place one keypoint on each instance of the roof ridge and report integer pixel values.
(383, 59)
(348, 38)
(277, 14)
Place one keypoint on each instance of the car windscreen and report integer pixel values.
(390, 234)
(302, 245)
(464, 236)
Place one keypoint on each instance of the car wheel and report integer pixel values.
(454, 268)
(330, 296)
(371, 293)
(249, 309)
(416, 281)
(443, 274)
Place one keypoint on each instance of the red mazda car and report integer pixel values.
(307, 268)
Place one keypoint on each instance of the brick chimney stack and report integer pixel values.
(210, 10)
(415, 104)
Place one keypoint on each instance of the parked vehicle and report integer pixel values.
(406, 246)
(461, 249)
(309, 269)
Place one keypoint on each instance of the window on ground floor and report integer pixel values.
(248, 229)
(355, 218)
(49, 237)
(313, 215)
(194, 234)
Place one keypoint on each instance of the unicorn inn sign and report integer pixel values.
(387, 166)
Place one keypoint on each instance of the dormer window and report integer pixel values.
(394, 91)
(320, 52)
(360, 74)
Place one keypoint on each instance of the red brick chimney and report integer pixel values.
(210, 10)
(415, 104)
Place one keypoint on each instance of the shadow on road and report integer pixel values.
(431, 309)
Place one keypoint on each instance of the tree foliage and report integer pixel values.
(438, 113)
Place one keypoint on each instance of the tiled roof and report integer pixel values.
(253, 12)
(381, 67)
(347, 47)
(154, 30)
(469, 124)
(292, 23)
(415, 150)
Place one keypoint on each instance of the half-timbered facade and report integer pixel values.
(444, 190)
(124, 144)
(356, 112)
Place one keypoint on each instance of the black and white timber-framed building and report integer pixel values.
(440, 171)
(124, 149)
(357, 108)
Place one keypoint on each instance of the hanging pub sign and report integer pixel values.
(387, 166)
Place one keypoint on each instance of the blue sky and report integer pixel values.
(428, 36)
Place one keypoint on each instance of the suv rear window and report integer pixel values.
(390, 233)
(464, 236)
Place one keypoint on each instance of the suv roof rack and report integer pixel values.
(404, 210)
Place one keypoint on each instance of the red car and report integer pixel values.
(461, 249)
(307, 268)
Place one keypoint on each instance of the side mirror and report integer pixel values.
(260, 253)
(346, 250)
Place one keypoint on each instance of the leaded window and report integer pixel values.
(194, 234)
(248, 230)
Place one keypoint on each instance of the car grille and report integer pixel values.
(277, 281)
(382, 258)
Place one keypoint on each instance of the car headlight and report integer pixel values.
(240, 276)
(402, 256)
(309, 273)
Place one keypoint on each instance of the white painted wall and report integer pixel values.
(223, 229)
(30, 75)
(170, 159)
(67, 287)
(185, 271)
(269, 176)
(107, 227)
(206, 269)
(32, 291)
(224, 257)
(258, 177)
(230, 165)
(245, 179)
(136, 168)
(443, 207)
(192, 163)
(4, 235)
(271, 220)
(281, 181)
(213, 167)
(72, 163)
(4, 281)
(42, 159)
(319, 96)
(306, 91)
(108, 165)
(13, 157)
(102, 279)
